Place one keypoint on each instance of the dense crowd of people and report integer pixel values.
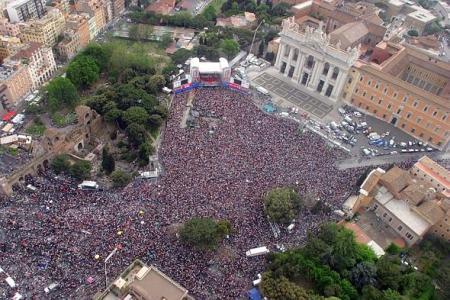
(219, 169)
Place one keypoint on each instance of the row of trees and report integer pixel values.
(337, 266)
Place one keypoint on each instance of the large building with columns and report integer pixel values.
(308, 58)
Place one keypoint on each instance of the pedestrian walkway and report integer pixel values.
(292, 94)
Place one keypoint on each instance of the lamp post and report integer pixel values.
(106, 260)
(254, 36)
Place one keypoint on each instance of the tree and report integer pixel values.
(133, 32)
(120, 178)
(136, 114)
(156, 83)
(83, 72)
(98, 53)
(281, 288)
(60, 164)
(230, 47)
(281, 205)
(369, 292)
(363, 274)
(166, 40)
(108, 163)
(145, 150)
(61, 91)
(136, 134)
(413, 32)
(80, 169)
(389, 272)
(201, 233)
(155, 120)
(210, 13)
(180, 56)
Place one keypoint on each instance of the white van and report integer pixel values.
(88, 185)
(32, 188)
(262, 90)
(257, 251)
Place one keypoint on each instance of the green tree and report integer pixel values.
(281, 205)
(230, 47)
(136, 134)
(166, 40)
(201, 233)
(136, 114)
(282, 289)
(108, 163)
(83, 72)
(389, 272)
(113, 114)
(99, 53)
(413, 32)
(80, 169)
(363, 274)
(369, 292)
(120, 178)
(180, 56)
(61, 92)
(133, 32)
(60, 164)
(156, 83)
(155, 120)
(145, 150)
(210, 13)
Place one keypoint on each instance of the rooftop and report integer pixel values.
(143, 282)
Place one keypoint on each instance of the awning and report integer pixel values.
(8, 116)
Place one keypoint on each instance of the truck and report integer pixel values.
(257, 251)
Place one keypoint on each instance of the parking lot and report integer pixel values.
(294, 95)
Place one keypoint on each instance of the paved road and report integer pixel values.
(355, 162)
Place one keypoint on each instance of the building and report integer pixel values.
(8, 46)
(406, 87)
(95, 9)
(70, 45)
(143, 282)
(45, 30)
(118, 7)
(412, 203)
(9, 29)
(442, 10)
(163, 7)
(62, 5)
(80, 24)
(15, 84)
(307, 56)
(429, 171)
(39, 61)
(24, 10)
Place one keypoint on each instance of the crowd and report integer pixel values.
(220, 170)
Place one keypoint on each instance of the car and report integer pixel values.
(341, 111)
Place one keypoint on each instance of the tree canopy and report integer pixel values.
(230, 47)
(203, 233)
(61, 92)
(83, 71)
(282, 204)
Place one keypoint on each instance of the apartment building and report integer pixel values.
(15, 84)
(406, 87)
(408, 201)
(70, 45)
(39, 60)
(8, 46)
(118, 7)
(95, 9)
(62, 5)
(24, 10)
(8, 28)
(80, 24)
(45, 30)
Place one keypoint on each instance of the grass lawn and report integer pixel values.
(60, 120)
(217, 4)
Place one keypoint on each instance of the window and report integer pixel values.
(369, 82)
(361, 78)
(437, 129)
(326, 68)
(425, 109)
(371, 98)
(403, 125)
(310, 62)
(379, 102)
(415, 103)
(390, 219)
(399, 228)
(335, 73)
(444, 117)
(409, 235)
(395, 95)
(356, 91)
(399, 111)
(389, 106)
(384, 116)
(367, 108)
(364, 94)
(385, 90)
(418, 120)
(435, 113)
(413, 130)
(374, 111)
(384, 215)
(295, 57)
(408, 115)
(350, 80)
(375, 206)
(377, 85)
(405, 99)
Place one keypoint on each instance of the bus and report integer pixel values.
(257, 251)
(88, 185)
